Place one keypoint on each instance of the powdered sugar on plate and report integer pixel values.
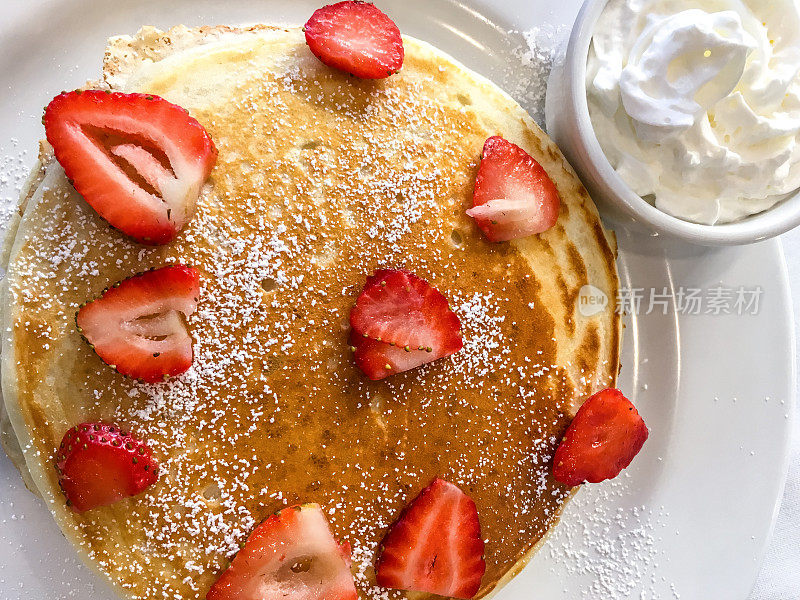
(610, 547)
(527, 79)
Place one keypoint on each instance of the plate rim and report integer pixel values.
(791, 401)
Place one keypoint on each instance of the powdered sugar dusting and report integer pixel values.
(612, 547)
(528, 81)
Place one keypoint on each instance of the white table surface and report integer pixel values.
(780, 574)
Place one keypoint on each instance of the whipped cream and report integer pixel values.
(696, 103)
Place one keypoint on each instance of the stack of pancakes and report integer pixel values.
(321, 179)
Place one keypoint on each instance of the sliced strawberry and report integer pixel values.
(99, 464)
(346, 550)
(411, 322)
(435, 546)
(136, 325)
(137, 159)
(378, 360)
(514, 197)
(356, 37)
(292, 555)
(602, 440)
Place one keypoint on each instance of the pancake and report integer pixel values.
(321, 179)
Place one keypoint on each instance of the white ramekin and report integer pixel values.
(568, 123)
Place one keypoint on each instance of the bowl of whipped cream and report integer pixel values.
(682, 117)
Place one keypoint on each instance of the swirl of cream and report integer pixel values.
(698, 109)
(681, 66)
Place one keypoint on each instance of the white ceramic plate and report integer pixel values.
(691, 517)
